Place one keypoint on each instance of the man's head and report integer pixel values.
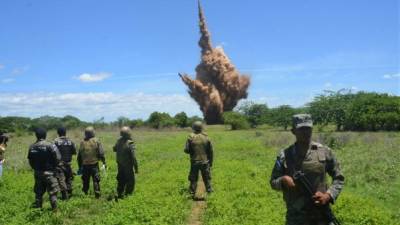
(3, 139)
(125, 132)
(40, 133)
(197, 126)
(302, 127)
(61, 131)
(89, 132)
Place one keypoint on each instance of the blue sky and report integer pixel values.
(120, 58)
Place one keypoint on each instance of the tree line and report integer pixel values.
(361, 111)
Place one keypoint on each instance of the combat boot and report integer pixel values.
(53, 202)
(64, 195)
(37, 203)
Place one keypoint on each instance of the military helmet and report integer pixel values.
(89, 132)
(197, 126)
(302, 120)
(125, 132)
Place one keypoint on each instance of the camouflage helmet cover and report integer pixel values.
(89, 131)
(197, 126)
(302, 120)
(125, 132)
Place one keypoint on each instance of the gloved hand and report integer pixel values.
(288, 182)
(321, 198)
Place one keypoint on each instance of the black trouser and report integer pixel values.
(204, 168)
(45, 180)
(89, 171)
(126, 180)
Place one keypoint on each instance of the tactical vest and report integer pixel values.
(2, 151)
(313, 166)
(89, 151)
(123, 152)
(198, 147)
(66, 148)
(41, 155)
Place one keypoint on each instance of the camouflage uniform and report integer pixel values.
(127, 166)
(64, 171)
(200, 149)
(318, 161)
(90, 152)
(44, 158)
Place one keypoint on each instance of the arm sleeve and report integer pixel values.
(333, 169)
(132, 149)
(55, 154)
(73, 148)
(79, 157)
(277, 172)
(30, 157)
(101, 153)
(210, 153)
(187, 146)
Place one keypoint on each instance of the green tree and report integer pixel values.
(282, 116)
(181, 119)
(159, 120)
(237, 120)
(256, 114)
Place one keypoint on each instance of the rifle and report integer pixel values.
(325, 209)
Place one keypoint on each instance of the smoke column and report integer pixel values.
(218, 85)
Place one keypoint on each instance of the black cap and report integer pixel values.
(61, 131)
(40, 133)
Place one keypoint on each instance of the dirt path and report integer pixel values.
(199, 205)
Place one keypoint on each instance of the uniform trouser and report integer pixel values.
(293, 218)
(45, 180)
(91, 171)
(204, 168)
(65, 177)
(126, 180)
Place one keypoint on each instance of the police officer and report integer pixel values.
(64, 173)
(127, 163)
(307, 206)
(90, 152)
(44, 158)
(200, 149)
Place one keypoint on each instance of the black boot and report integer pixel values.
(53, 202)
(37, 203)
(192, 188)
(64, 195)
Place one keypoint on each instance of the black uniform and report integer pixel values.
(44, 158)
(64, 173)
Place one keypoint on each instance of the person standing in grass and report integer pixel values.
(200, 149)
(67, 150)
(3, 146)
(127, 163)
(44, 157)
(90, 153)
(300, 172)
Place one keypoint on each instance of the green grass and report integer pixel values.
(242, 167)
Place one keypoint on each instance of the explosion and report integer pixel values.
(218, 85)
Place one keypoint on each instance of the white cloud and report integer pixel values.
(96, 77)
(391, 76)
(328, 84)
(91, 106)
(7, 80)
(19, 70)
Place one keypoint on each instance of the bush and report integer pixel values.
(236, 120)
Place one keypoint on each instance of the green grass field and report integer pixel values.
(242, 167)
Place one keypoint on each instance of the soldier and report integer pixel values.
(3, 146)
(64, 174)
(200, 149)
(90, 152)
(44, 158)
(300, 172)
(127, 163)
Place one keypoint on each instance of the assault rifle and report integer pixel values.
(325, 209)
